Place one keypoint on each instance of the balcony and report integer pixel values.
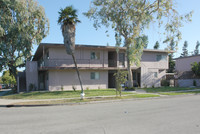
(85, 63)
(112, 63)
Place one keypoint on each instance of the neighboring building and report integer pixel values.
(52, 68)
(183, 70)
(183, 66)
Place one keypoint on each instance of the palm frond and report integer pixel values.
(68, 15)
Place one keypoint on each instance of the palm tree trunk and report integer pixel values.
(74, 59)
(68, 32)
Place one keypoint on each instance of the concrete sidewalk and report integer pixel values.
(185, 90)
(13, 101)
(10, 101)
(4, 102)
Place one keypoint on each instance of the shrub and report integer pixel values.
(144, 86)
(32, 87)
(127, 88)
(74, 88)
(196, 68)
(194, 83)
(62, 89)
(120, 78)
(165, 83)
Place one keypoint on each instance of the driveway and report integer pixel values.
(177, 115)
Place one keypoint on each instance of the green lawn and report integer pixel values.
(62, 94)
(96, 92)
(167, 89)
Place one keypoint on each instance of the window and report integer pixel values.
(161, 57)
(155, 75)
(94, 75)
(47, 55)
(95, 55)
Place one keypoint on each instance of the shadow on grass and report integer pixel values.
(62, 94)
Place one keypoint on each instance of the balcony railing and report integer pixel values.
(70, 63)
(112, 63)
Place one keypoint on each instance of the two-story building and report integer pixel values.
(53, 69)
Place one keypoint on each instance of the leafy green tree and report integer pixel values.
(196, 51)
(1, 80)
(196, 68)
(144, 40)
(129, 18)
(184, 49)
(120, 78)
(68, 19)
(8, 78)
(22, 23)
(157, 45)
(172, 47)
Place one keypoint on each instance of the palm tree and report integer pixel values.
(68, 20)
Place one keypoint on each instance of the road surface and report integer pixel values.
(176, 115)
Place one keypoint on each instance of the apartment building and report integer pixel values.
(53, 69)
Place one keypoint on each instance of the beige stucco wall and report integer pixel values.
(149, 66)
(148, 79)
(184, 64)
(59, 57)
(31, 74)
(149, 59)
(68, 78)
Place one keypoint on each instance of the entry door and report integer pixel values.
(138, 79)
(111, 80)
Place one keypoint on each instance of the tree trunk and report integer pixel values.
(68, 32)
(13, 71)
(130, 76)
(77, 72)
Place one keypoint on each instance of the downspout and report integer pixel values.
(103, 58)
(43, 54)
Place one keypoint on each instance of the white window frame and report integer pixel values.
(161, 57)
(94, 75)
(96, 55)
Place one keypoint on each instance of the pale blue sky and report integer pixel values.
(86, 33)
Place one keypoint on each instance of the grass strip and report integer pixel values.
(66, 101)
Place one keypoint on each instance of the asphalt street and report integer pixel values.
(176, 115)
